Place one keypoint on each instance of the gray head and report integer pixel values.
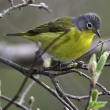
(88, 21)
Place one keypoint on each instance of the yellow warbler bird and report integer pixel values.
(72, 44)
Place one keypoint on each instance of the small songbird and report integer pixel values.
(73, 43)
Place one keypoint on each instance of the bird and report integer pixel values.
(72, 44)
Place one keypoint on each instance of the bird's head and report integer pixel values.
(89, 22)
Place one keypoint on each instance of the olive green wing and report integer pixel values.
(59, 25)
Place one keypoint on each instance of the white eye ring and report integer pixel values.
(89, 25)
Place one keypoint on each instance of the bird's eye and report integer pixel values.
(89, 25)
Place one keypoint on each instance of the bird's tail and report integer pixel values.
(15, 34)
(26, 35)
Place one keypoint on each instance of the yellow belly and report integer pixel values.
(68, 47)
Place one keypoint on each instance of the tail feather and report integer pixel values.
(25, 35)
(15, 34)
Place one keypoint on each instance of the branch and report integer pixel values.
(27, 90)
(82, 74)
(19, 6)
(41, 6)
(23, 83)
(21, 87)
(16, 103)
(90, 93)
(53, 92)
(62, 94)
(24, 71)
(80, 98)
(42, 71)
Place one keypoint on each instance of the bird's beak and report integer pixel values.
(97, 33)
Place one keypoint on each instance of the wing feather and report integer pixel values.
(59, 25)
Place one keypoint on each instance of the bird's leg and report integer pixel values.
(58, 65)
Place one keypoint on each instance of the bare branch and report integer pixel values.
(90, 93)
(80, 98)
(16, 103)
(22, 85)
(84, 75)
(41, 6)
(43, 70)
(53, 92)
(24, 72)
(27, 90)
(11, 2)
(14, 65)
(62, 94)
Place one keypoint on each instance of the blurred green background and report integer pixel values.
(21, 51)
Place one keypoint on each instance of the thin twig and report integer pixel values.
(41, 5)
(24, 71)
(65, 108)
(90, 93)
(107, 64)
(27, 90)
(53, 92)
(61, 93)
(82, 74)
(23, 83)
(16, 103)
(80, 98)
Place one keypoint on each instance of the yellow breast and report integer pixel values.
(68, 47)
